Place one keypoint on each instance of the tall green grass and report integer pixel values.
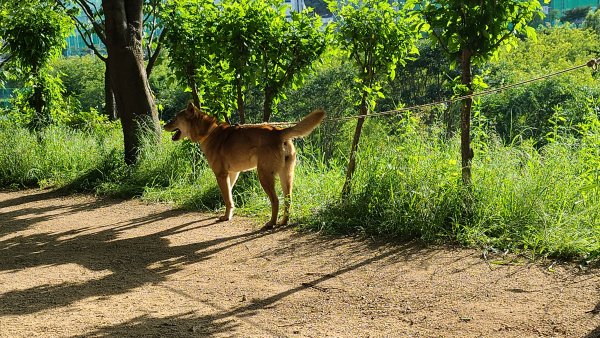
(54, 157)
(545, 201)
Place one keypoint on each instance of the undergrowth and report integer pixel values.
(542, 200)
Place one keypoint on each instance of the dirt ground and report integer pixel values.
(79, 266)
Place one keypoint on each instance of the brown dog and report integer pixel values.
(231, 149)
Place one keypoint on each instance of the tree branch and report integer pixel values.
(90, 44)
(155, 54)
(89, 13)
(83, 32)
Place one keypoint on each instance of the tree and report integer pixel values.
(471, 32)
(575, 15)
(123, 26)
(285, 50)
(33, 34)
(192, 27)
(376, 37)
(92, 25)
(592, 21)
(221, 51)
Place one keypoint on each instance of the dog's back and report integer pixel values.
(242, 147)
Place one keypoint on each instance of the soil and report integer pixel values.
(80, 266)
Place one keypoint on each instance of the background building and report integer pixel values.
(564, 5)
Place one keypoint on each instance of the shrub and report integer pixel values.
(528, 111)
(83, 78)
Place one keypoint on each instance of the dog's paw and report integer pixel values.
(224, 218)
(283, 222)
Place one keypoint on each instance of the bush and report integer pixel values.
(83, 78)
(528, 111)
(545, 201)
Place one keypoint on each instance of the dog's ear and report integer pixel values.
(191, 107)
(191, 110)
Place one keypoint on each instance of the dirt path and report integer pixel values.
(80, 266)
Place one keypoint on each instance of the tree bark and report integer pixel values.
(41, 117)
(110, 107)
(268, 105)
(240, 100)
(123, 27)
(466, 151)
(357, 132)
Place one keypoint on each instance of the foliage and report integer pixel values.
(190, 29)
(479, 27)
(47, 87)
(376, 37)
(527, 111)
(592, 21)
(225, 51)
(287, 50)
(33, 34)
(83, 79)
(241, 25)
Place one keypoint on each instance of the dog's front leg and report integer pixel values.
(225, 185)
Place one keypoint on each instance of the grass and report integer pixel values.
(544, 201)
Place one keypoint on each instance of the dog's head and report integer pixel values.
(190, 123)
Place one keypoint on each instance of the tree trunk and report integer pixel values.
(357, 132)
(465, 118)
(110, 108)
(240, 100)
(41, 117)
(123, 25)
(268, 106)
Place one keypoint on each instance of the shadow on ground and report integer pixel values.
(128, 260)
(133, 262)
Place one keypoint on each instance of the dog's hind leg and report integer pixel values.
(286, 176)
(226, 181)
(267, 180)
(233, 176)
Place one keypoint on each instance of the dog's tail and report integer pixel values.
(305, 126)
